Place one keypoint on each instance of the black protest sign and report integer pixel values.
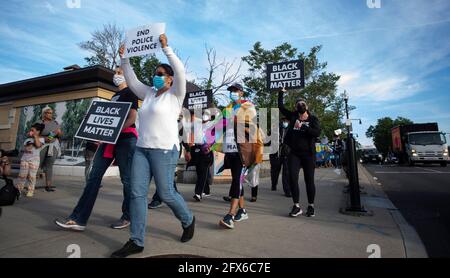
(198, 100)
(104, 121)
(289, 75)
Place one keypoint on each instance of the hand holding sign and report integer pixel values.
(163, 40)
(121, 50)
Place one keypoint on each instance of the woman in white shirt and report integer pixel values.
(156, 154)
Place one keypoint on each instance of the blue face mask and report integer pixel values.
(158, 82)
(234, 96)
(285, 124)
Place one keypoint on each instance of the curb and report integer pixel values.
(414, 247)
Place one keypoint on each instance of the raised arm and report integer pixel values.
(138, 88)
(179, 82)
(283, 109)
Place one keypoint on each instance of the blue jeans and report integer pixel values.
(123, 153)
(160, 164)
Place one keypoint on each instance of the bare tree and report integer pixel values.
(104, 46)
(220, 73)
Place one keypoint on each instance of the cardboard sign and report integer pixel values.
(104, 121)
(198, 99)
(289, 75)
(143, 40)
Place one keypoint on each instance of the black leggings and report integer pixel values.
(202, 167)
(236, 189)
(307, 162)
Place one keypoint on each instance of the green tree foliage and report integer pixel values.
(320, 90)
(73, 116)
(381, 132)
(145, 67)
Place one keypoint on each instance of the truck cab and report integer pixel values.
(426, 147)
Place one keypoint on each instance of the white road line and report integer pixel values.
(412, 172)
(432, 170)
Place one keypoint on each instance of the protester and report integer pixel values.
(29, 163)
(242, 150)
(278, 161)
(122, 152)
(338, 148)
(303, 130)
(52, 149)
(5, 165)
(200, 155)
(157, 148)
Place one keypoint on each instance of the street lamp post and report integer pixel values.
(354, 188)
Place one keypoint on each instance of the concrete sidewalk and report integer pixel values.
(27, 229)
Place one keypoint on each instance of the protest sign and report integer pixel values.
(143, 40)
(104, 121)
(289, 75)
(198, 99)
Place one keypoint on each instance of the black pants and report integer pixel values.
(236, 189)
(307, 162)
(202, 167)
(279, 164)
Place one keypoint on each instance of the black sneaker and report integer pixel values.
(188, 233)
(296, 211)
(128, 249)
(197, 197)
(310, 212)
(49, 189)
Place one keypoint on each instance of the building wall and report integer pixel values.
(10, 111)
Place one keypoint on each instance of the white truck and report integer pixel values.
(420, 143)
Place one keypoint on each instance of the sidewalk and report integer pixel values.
(27, 229)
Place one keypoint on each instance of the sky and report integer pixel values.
(394, 59)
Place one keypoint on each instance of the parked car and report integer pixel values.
(371, 155)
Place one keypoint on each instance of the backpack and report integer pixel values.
(8, 193)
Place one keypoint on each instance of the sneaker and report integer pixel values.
(240, 215)
(155, 204)
(227, 222)
(310, 212)
(206, 195)
(253, 199)
(49, 189)
(70, 225)
(197, 197)
(120, 224)
(128, 249)
(30, 193)
(227, 198)
(188, 232)
(296, 211)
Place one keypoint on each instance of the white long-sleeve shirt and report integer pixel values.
(158, 126)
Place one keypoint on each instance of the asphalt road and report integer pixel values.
(422, 194)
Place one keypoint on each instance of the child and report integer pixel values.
(29, 163)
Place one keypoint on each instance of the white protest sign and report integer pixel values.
(144, 40)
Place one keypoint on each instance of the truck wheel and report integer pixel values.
(444, 164)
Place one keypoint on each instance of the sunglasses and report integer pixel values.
(160, 74)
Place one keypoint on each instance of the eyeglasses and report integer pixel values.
(48, 112)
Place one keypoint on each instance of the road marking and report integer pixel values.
(381, 172)
(435, 171)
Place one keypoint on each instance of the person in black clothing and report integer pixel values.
(302, 132)
(278, 161)
(201, 156)
(338, 148)
(122, 152)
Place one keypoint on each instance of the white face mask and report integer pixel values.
(285, 124)
(205, 118)
(118, 79)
